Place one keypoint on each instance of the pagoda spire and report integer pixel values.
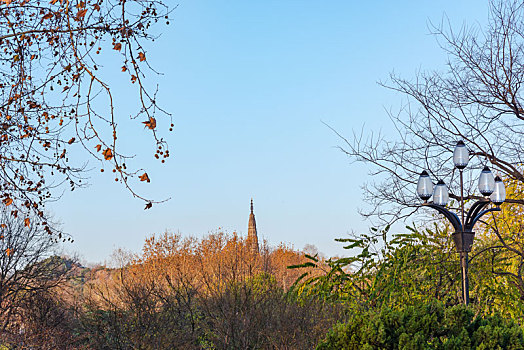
(252, 237)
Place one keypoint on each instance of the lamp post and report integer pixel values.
(492, 188)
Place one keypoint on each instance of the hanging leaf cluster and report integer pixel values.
(54, 98)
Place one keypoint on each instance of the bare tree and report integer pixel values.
(26, 266)
(477, 99)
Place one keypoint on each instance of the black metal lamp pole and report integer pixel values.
(492, 188)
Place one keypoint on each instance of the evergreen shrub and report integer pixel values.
(424, 326)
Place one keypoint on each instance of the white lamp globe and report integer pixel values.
(460, 155)
(486, 182)
(440, 194)
(424, 186)
(499, 194)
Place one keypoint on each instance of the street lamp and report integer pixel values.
(492, 188)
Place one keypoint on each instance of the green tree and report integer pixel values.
(412, 267)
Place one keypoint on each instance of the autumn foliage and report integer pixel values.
(213, 261)
(212, 292)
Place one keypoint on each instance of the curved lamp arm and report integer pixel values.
(475, 209)
(452, 217)
(469, 226)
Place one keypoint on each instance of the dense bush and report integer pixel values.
(254, 314)
(424, 326)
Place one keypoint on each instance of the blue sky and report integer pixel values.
(249, 85)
